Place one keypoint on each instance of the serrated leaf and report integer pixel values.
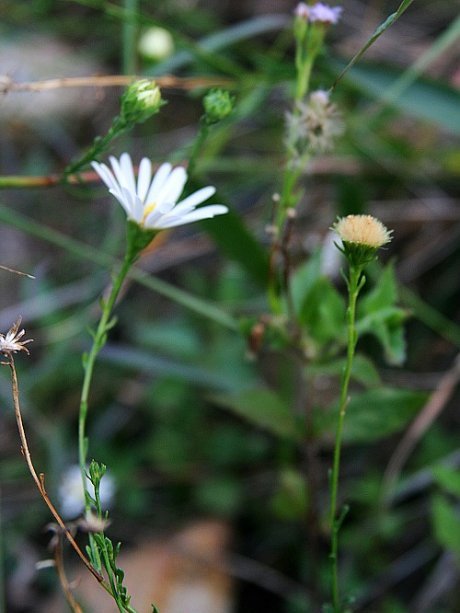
(373, 414)
(263, 408)
(446, 523)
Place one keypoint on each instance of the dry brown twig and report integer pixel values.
(39, 479)
(7, 84)
(16, 272)
(431, 411)
(59, 564)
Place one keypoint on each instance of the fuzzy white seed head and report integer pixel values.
(362, 230)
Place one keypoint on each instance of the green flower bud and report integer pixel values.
(218, 104)
(96, 472)
(141, 100)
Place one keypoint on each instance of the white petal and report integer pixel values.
(173, 187)
(117, 171)
(106, 175)
(152, 218)
(128, 172)
(123, 171)
(159, 179)
(138, 209)
(206, 212)
(129, 201)
(189, 203)
(143, 180)
(122, 200)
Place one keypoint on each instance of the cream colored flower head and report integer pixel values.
(11, 341)
(152, 203)
(362, 230)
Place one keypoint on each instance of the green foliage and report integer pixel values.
(448, 479)
(176, 351)
(323, 313)
(263, 408)
(429, 100)
(379, 316)
(446, 524)
(290, 501)
(374, 414)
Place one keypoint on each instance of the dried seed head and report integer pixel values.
(10, 342)
(313, 127)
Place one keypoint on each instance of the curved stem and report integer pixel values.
(39, 479)
(98, 342)
(354, 282)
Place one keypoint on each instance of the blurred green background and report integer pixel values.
(189, 421)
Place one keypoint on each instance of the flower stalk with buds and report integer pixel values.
(361, 237)
(140, 101)
(311, 128)
(218, 104)
(151, 205)
(310, 27)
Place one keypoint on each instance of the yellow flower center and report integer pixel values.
(148, 208)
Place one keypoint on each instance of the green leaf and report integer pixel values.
(263, 408)
(447, 478)
(290, 500)
(378, 316)
(363, 370)
(323, 312)
(384, 294)
(303, 279)
(375, 35)
(446, 523)
(373, 414)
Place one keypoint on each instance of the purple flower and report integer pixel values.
(324, 13)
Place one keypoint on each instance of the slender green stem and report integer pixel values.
(303, 78)
(197, 147)
(355, 282)
(98, 342)
(99, 339)
(100, 144)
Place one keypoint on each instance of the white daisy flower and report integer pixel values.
(153, 202)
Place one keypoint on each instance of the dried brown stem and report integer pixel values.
(420, 425)
(7, 84)
(59, 561)
(40, 479)
(16, 272)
